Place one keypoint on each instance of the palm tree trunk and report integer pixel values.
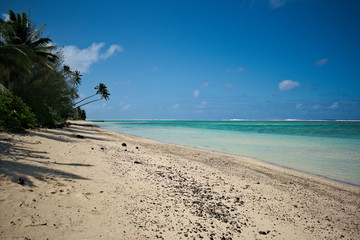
(89, 102)
(85, 99)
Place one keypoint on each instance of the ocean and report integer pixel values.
(330, 149)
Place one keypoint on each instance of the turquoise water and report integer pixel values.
(327, 148)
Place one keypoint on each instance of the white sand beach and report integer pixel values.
(84, 182)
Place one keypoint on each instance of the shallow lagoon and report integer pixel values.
(327, 148)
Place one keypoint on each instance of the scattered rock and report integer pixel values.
(137, 162)
(124, 145)
(264, 233)
(102, 148)
(238, 198)
(21, 181)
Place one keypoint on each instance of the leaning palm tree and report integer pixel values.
(21, 46)
(101, 90)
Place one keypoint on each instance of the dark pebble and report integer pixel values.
(264, 233)
(21, 181)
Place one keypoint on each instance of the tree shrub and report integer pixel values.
(15, 115)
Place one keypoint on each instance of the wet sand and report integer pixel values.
(83, 182)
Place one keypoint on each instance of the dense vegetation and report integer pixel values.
(36, 88)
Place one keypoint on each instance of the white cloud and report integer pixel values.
(287, 85)
(334, 106)
(176, 106)
(299, 106)
(5, 16)
(124, 106)
(203, 104)
(196, 93)
(205, 84)
(227, 85)
(81, 59)
(239, 69)
(316, 107)
(276, 3)
(321, 62)
(112, 49)
(127, 106)
(154, 69)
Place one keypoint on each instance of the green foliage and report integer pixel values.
(15, 115)
(79, 114)
(49, 95)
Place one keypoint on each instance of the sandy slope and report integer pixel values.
(96, 188)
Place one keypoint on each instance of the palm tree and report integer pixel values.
(76, 79)
(101, 90)
(21, 46)
(74, 76)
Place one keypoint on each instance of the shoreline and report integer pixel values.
(257, 160)
(341, 179)
(83, 182)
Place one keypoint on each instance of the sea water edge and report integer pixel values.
(330, 149)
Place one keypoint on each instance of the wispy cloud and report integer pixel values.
(196, 93)
(238, 69)
(334, 105)
(321, 62)
(127, 106)
(5, 16)
(241, 69)
(227, 85)
(176, 106)
(288, 85)
(124, 106)
(112, 49)
(156, 69)
(316, 107)
(277, 3)
(299, 106)
(205, 84)
(81, 59)
(202, 104)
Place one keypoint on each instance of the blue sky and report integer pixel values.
(241, 59)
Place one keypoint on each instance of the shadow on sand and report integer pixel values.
(66, 135)
(19, 162)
